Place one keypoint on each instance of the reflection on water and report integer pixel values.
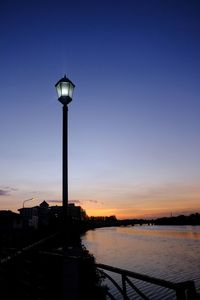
(167, 252)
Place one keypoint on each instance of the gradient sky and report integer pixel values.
(134, 126)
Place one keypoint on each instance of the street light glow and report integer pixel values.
(65, 90)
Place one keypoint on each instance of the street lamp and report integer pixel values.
(65, 90)
(29, 200)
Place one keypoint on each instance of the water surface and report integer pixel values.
(166, 252)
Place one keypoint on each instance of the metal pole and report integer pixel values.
(28, 200)
(65, 161)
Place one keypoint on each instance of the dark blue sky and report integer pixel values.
(134, 121)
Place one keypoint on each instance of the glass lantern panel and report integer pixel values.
(64, 89)
(71, 88)
(58, 88)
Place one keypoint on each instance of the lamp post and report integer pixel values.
(65, 90)
(28, 200)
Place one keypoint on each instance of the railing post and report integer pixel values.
(191, 291)
(180, 294)
(124, 287)
(186, 291)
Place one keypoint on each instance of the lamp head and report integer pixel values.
(65, 90)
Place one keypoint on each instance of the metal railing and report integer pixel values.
(184, 290)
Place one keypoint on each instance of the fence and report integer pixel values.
(183, 290)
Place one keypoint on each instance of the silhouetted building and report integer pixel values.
(42, 215)
(76, 213)
(30, 216)
(10, 221)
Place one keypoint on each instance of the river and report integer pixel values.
(166, 252)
